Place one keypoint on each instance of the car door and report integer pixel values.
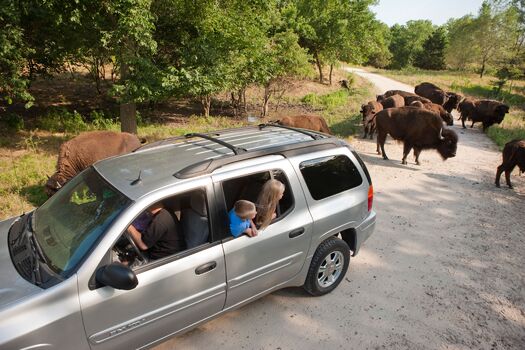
(172, 294)
(337, 195)
(258, 264)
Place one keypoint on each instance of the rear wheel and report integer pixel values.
(328, 267)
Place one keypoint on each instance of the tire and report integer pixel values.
(328, 267)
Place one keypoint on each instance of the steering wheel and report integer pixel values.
(140, 255)
(129, 249)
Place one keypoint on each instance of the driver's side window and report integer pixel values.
(165, 229)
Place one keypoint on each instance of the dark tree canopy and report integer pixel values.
(432, 55)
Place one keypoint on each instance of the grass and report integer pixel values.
(28, 156)
(470, 84)
(341, 108)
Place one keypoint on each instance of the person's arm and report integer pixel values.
(137, 237)
(252, 231)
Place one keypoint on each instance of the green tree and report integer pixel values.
(283, 59)
(461, 50)
(407, 41)
(512, 65)
(379, 55)
(13, 53)
(333, 30)
(432, 55)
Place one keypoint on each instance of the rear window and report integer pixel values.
(330, 175)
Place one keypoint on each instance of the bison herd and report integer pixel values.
(417, 119)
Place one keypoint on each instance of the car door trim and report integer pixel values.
(151, 317)
(255, 274)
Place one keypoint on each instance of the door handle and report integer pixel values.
(205, 268)
(296, 232)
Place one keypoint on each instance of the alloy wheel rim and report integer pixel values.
(330, 269)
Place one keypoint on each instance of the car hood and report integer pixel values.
(13, 287)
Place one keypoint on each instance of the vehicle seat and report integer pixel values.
(194, 220)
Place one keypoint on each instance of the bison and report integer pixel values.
(344, 84)
(393, 101)
(445, 116)
(488, 112)
(432, 92)
(369, 112)
(417, 104)
(513, 154)
(417, 128)
(394, 92)
(453, 101)
(312, 122)
(413, 98)
(80, 152)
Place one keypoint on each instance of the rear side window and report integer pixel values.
(330, 175)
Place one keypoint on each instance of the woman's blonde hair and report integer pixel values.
(267, 202)
(244, 209)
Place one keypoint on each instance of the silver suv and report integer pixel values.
(72, 278)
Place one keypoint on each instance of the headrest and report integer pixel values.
(198, 203)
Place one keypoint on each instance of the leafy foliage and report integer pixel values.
(407, 41)
(432, 55)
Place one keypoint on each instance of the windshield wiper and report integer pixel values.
(36, 276)
(37, 255)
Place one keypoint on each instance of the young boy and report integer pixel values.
(241, 218)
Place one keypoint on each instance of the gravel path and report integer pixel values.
(443, 270)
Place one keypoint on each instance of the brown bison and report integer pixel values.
(417, 128)
(432, 92)
(417, 104)
(369, 112)
(453, 101)
(394, 92)
(513, 154)
(410, 99)
(80, 152)
(447, 117)
(393, 101)
(488, 112)
(312, 122)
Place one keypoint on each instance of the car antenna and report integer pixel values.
(138, 180)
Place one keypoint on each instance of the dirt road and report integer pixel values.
(444, 270)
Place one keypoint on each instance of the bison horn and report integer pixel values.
(441, 134)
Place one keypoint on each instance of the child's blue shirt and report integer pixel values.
(237, 225)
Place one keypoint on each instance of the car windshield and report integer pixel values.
(71, 222)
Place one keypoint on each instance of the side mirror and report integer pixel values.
(117, 275)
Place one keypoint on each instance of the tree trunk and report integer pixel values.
(243, 94)
(128, 110)
(319, 67)
(331, 70)
(482, 69)
(267, 94)
(206, 104)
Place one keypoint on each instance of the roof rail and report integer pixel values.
(208, 165)
(235, 150)
(313, 136)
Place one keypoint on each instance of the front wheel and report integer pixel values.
(328, 267)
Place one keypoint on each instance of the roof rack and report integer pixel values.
(235, 150)
(313, 136)
(209, 165)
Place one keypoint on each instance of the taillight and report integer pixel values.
(370, 197)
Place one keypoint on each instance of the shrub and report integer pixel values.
(14, 122)
(61, 120)
(328, 101)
